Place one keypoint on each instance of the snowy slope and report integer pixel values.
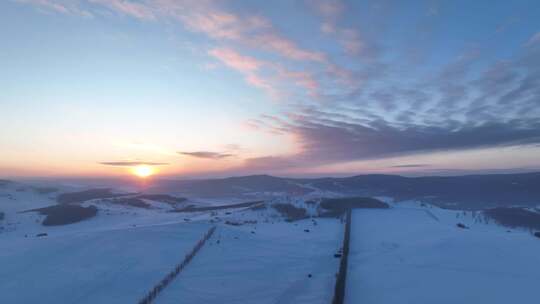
(418, 255)
(270, 266)
(17, 197)
(118, 255)
(115, 257)
(111, 266)
(412, 253)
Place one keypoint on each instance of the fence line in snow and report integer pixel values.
(154, 292)
(339, 290)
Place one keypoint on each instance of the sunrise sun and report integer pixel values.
(143, 171)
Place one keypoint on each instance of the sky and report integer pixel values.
(292, 88)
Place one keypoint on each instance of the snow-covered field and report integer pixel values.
(120, 254)
(270, 266)
(411, 253)
(418, 255)
(112, 266)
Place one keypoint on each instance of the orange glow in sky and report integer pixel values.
(232, 91)
(143, 171)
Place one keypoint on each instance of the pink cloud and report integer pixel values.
(285, 47)
(246, 65)
(328, 8)
(328, 27)
(209, 18)
(251, 68)
(134, 9)
(254, 31)
(259, 82)
(216, 25)
(535, 39)
(59, 6)
(246, 31)
(235, 60)
(300, 78)
(268, 163)
(331, 11)
(350, 40)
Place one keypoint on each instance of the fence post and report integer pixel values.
(153, 293)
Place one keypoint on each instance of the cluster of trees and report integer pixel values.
(82, 196)
(336, 207)
(515, 217)
(130, 201)
(66, 214)
(150, 296)
(164, 198)
(290, 212)
(212, 208)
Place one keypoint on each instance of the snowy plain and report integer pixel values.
(411, 254)
(270, 265)
(120, 254)
(111, 266)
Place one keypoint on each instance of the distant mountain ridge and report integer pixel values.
(460, 192)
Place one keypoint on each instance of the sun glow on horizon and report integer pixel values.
(143, 171)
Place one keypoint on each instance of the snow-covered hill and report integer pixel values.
(274, 251)
(118, 255)
(414, 254)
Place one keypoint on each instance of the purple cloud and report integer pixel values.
(207, 154)
(132, 163)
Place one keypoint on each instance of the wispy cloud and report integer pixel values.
(132, 163)
(411, 166)
(534, 40)
(332, 141)
(362, 105)
(247, 66)
(135, 9)
(265, 75)
(250, 33)
(70, 7)
(458, 107)
(236, 61)
(207, 154)
(210, 18)
(303, 79)
(331, 13)
(266, 163)
(285, 47)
